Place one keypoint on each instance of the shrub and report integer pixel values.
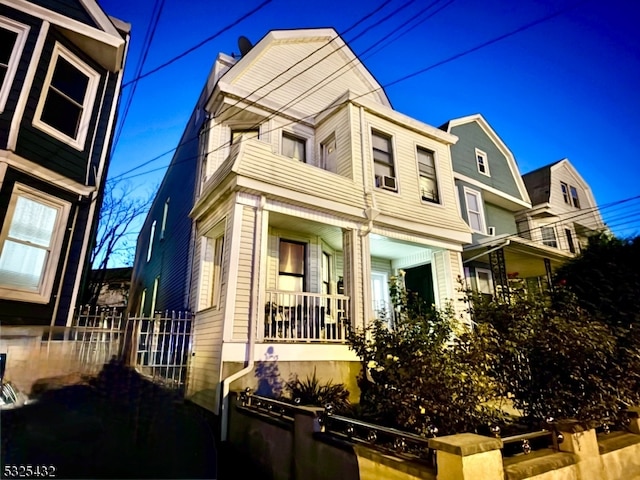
(310, 391)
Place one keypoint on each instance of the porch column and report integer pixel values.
(353, 275)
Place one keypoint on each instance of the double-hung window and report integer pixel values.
(428, 179)
(383, 164)
(328, 154)
(475, 214)
(482, 162)
(294, 147)
(574, 197)
(291, 271)
(67, 98)
(240, 134)
(13, 36)
(565, 193)
(549, 236)
(30, 244)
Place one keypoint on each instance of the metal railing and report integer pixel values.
(95, 336)
(306, 317)
(161, 345)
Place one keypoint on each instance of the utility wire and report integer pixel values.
(158, 6)
(198, 45)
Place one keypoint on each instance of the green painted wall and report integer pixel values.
(502, 219)
(463, 156)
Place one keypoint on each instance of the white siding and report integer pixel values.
(244, 271)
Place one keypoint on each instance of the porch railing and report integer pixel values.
(306, 317)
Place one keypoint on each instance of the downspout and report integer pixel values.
(253, 320)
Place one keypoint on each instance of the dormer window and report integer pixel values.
(483, 162)
(68, 93)
(294, 147)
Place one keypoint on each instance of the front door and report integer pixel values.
(420, 280)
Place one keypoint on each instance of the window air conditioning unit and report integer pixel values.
(388, 183)
(491, 231)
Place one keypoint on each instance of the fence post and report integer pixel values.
(580, 439)
(468, 456)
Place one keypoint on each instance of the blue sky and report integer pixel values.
(567, 87)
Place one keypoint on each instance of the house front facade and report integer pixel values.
(312, 194)
(493, 198)
(61, 67)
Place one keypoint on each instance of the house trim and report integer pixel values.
(18, 114)
(232, 280)
(22, 32)
(96, 42)
(478, 195)
(43, 173)
(492, 190)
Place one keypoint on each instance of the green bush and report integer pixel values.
(418, 373)
(310, 391)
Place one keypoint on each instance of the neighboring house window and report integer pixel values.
(30, 244)
(216, 274)
(69, 91)
(152, 234)
(13, 36)
(328, 154)
(484, 281)
(154, 295)
(549, 237)
(474, 210)
(165, 213)
(244, 134)
(294, 147)
(428, 179)
(570, 243)
(574, 197)
(565, 193)
(326, 273)
(483, 162)
(383, 164)
(291, 271)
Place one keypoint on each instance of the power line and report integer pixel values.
(158, 6)
(198, 45)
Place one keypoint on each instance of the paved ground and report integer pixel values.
(118, 427)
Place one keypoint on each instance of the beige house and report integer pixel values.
(313, 192)
(564, 213)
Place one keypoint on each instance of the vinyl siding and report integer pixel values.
(406, 203)
(463, 154)
(503, 220)
(244, 270)
(300, 78)
(338, 124)
(440, 267)
(40, 147)
(259, 163)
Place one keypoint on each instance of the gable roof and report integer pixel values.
(495, 138)
(84, 23)
(538, 181)
(316, 66)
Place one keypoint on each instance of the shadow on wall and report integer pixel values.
(270, 383)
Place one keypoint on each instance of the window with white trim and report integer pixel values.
(212, 264)
(30, 244)
(240, 134)
(216, 274)
(291, 266)
(484, 281)
(574, 197)
(475, 215)
(152, 234)
(154, 295)
(13, 36)
(329, 154)
(67, 97)
(383, 163)
(570, 243)
(549, 236)
(427, 172)
(143, 300)
(294, 147)
(482, 162)
(565, 193)
(165, 214)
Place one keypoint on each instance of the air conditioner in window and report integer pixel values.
(388, 183)
(491, 231)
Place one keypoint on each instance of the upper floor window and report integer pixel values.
(483, 162)
(244, 134)
(549, 237)
(428, 179)
(383, 164)
(574, 197)
(475, 214)
(68, 93)
(13, 36)
(30, 244)
(565, 193)
(165, 214)
(294, 147)
(328, 154)
(152, 234)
